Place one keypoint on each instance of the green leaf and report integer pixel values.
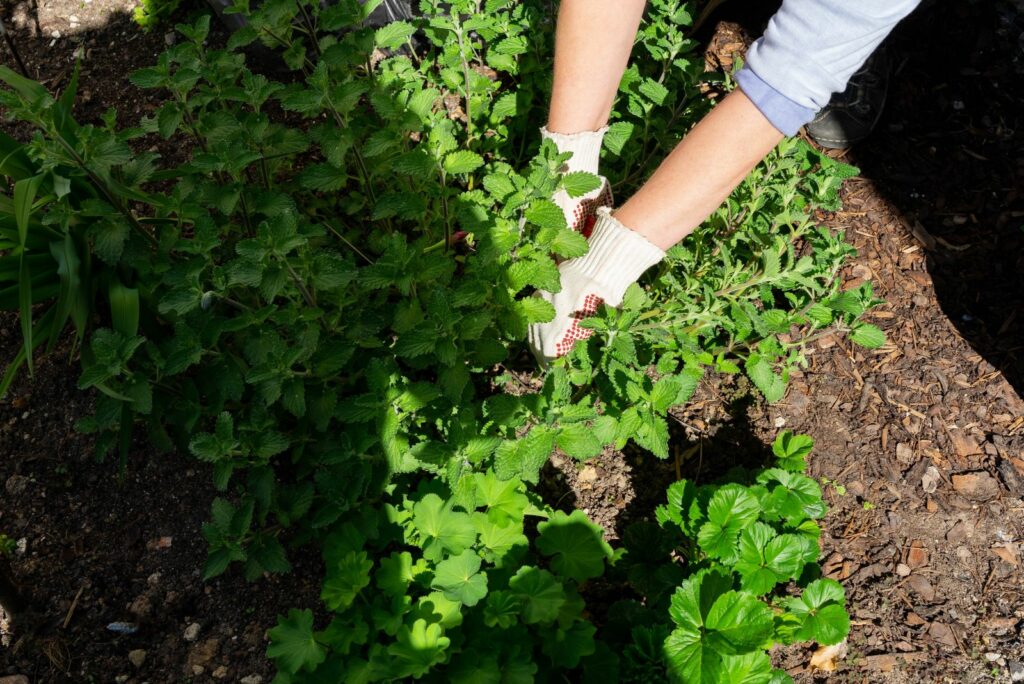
(393, 35)
(765, 558)
(619, 133)
(462, 161)
(460, 579)
(24, 196)
(731, 509)
(579, 183)
(524, 458)
(540, 594)
(419, 648)
(292, 644)
(345, 579)
(792, 450)
(579, 441)
(761, 373)
(442, 528)
(545, 214)
(821, 611)
(576, 545)
(706, 636)
(568, 244)
(397, 572)
(867, 335)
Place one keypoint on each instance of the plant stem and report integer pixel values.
(102, 187)
(14, 50)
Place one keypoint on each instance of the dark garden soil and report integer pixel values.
(920, 444)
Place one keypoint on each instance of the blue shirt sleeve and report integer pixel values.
(809, 51)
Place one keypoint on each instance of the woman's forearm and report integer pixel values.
(592, 47)
(701, 172)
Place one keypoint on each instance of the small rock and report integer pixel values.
(198, 670)
(153, 579)
(588, 474)
(203, 653)
(220, 673)
(976, 486)
(904, 453)
(1016, 671)
(170, 38)
(930, 480)
(192, 632)
(137, 657)
(141, 606)
(121, 679)
(159, 544)
(55, 33)
(16, 484)
(251, 679)
(992, 657)
(903, 570)
(122, 628)
(14, 679)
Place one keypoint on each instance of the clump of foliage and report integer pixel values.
(150, 14)
(327, 303)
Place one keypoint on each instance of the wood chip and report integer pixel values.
(915, 620)
(917, 556)
(886, 662)
(976, 486)
(826, 658)
(922, 587)
(1008, 553)
(943, 634)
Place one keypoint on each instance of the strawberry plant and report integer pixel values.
(326, 302)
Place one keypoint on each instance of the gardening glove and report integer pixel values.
(580, 212)
(617, 258)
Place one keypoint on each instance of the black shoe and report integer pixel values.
(851, 115)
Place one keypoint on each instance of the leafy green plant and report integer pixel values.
(326, 303)
(713, 610)
(150, 14)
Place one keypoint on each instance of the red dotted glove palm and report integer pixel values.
(581, 212)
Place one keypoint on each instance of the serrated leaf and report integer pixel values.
(867, 335)
(462, 161)
(821, 611)
(393, 35)
(579, 183)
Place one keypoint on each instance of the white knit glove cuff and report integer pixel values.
(585, 148)
(617, 258)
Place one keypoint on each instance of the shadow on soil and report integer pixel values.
(948, 155)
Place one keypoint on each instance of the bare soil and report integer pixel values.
(920, 444)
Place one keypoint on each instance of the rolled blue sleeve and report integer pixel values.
(810, 50)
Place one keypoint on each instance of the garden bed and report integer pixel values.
(931, 563)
